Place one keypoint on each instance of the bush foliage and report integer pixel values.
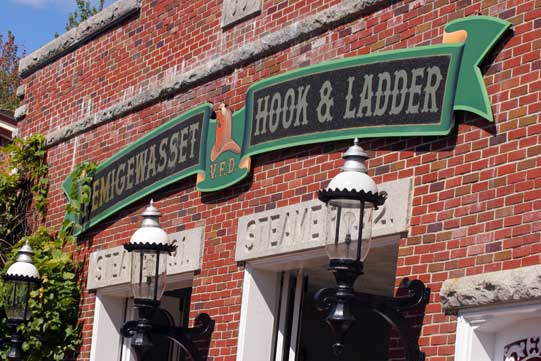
(53, 333)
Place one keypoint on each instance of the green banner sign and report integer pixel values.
(409, 92)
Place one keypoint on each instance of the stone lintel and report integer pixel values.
(509, 286)
(77, 36)
(301, 226)
(112, 267)
(269, 44)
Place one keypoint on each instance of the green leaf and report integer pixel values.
(68, 276)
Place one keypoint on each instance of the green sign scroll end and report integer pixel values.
(480, 34)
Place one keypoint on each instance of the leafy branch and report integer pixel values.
(53, 333)
(79, 200)
(84, 11)
(9, 71)
(23, 190)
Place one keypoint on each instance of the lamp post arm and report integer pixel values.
(395, 319)
(418, 295)
(325, 298)
(204, 325)
(336, 302)
(179, 336)
(184, 337)
(389, 308)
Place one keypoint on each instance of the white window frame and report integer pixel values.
(110, 312)
(262, 297)
(108, 318)
(478, 328)
(257, 315)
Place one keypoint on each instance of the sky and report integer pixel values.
(34, 22)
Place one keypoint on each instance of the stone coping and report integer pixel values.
(515, 285)
(77, 36)
(269, 44)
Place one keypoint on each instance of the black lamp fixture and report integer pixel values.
(351, 199)
(20, 279)
(149, 247)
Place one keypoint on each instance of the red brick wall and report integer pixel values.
(475, 202)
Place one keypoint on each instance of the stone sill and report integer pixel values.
(509, 286)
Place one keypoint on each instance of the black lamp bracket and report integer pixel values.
(142, 328)
(337, 303)
(15, 341)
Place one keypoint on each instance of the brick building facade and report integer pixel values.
(470, 204)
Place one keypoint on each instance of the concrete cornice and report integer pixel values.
(269, 44)
(77, 36)
(515, 285)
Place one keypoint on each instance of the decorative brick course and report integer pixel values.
(475, 207)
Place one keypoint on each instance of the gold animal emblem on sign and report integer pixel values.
(224, 126)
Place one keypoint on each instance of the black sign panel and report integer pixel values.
(392, 92)
(173, 151)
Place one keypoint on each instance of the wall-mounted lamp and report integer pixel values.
(20, 279)
(149, 247)
(350, 199)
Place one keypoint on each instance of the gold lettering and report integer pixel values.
(151, 165)
(173, 150)
(140, 166)
(222, 168)
(183, 144)
(213, 171)
(120, 179)
(129, 174)
(104, 189)
(95, 194)
(113, 179)
(163, 155)
(194, 129)
(231, 165)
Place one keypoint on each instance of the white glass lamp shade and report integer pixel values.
(150, 235)
(344, 217)
(16, 297)
(149, 247)
(350, 199)
(350, 180)
(20, 279)
(148, 277)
